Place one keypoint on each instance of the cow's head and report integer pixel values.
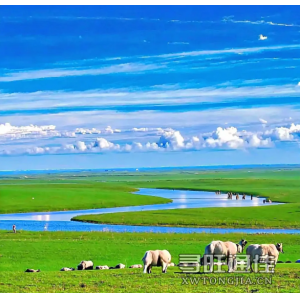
(279, 247)
(242, 243)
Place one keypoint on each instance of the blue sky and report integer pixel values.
(148, 86)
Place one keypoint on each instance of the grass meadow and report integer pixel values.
(50, 251)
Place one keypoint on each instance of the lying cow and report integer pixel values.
(156, 258)
(85, 265)
(224, 250)
(267, 253)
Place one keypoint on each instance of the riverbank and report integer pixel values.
(92, 193)
(279, 189)
(43, 196)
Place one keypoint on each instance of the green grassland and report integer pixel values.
(88, 190)
(281, 188)
(41, 195)
(50, 251)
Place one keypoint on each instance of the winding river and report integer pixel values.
(61, 220)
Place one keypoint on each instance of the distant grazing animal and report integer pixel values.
(85, 265)
(226, 250)
(136, 267)
(156, 258)
(102, 268)
(265, 252)
(67, 269)
(32, 271)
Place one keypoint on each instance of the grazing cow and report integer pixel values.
(67, 269)
(85, 265)
(225, 250)
(136, 267)
(32, 271)
(156, 258)
(102, 268)
(268, 253)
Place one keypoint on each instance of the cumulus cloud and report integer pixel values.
(8, 129)
(173, 140)
(107, 130)
(284, 133)
(143, 129)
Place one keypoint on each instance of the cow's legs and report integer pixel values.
(230, 260)
(145, 268)
(164, 267)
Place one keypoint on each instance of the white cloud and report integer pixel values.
(114, 99)
(107, 130)
(263, 121)
(67, 72)
(143, 129)
(284, 133)
(173, 140)
(139, 64)
(262, 37)
(7, 128)
(231, 138)
(225, 137)
(87, 131)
